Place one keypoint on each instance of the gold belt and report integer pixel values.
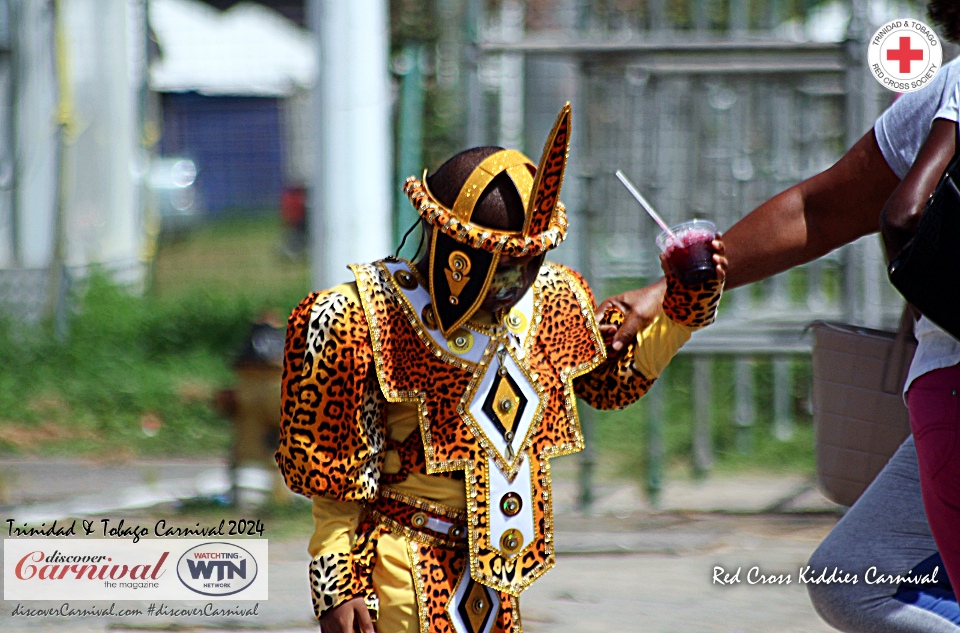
(419, 519)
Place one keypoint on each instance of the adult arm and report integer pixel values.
(903, 210)
(804, 222)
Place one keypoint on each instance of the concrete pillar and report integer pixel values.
(352, 181)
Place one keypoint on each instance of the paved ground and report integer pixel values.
(625, 567)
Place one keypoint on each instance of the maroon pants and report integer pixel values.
(934, 403)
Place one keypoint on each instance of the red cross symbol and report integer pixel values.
(905, 55)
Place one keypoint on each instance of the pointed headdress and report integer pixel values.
(464, 254)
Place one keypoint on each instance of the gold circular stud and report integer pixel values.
(460, 342)
(516, 321)
(478, 605)
(506, 405)
(405, 280)
(459, 261)
(428, 317)
(508, 436)
(511, 541)
(419, 520)
(454, 301)
(511, 503)
(455, 531)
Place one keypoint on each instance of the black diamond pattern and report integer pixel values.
(464, 607)
(490, 402)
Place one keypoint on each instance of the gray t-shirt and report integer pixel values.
(900, 132)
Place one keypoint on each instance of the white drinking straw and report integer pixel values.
(643, 202)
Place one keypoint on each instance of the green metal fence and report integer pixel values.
(709, 114)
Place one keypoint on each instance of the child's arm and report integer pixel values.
(331, 435)
(629, 373)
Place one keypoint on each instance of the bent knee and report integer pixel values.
(837, 591)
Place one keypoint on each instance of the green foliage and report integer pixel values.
(624, 435)
(139, 375)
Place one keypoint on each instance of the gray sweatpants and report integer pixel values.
(887, 529)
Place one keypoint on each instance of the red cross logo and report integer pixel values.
(905, 55)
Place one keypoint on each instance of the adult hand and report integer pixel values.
(640, 307)
(349, 617)
(719, 258)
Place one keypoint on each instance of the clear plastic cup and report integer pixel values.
(689, 252)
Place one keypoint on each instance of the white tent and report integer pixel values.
(248, 50)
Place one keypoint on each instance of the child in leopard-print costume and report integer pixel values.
(423, 401)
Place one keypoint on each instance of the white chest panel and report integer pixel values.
(418, 299)
(499, 487)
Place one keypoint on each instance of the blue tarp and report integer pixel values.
(237, 144)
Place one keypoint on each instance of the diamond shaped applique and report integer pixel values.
(476, 607)
(504, 405)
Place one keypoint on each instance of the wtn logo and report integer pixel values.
(217, 569)
(225, 569)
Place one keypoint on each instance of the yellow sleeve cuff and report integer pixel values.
(657, 344)
(334, 526)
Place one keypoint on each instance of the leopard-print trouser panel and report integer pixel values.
(436, 573)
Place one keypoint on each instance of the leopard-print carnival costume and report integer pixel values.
(443, 444)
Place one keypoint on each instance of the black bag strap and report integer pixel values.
(897, 365)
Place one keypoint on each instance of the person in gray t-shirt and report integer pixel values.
(893, 167)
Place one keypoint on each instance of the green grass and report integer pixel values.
(239, 258)
(131, 363)
(622, 436)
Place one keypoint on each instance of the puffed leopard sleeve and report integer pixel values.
(332, 415)
(331, 437)
(626, 376)
(615, 383)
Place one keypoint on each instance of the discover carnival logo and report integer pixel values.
(217, 569)
(107, 569)
(904, 55)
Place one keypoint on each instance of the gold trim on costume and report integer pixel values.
(475, 236)
(364, 274)
(510, 467)
(424, 504)
(412, 534)
(507, 160)
(418, 585)
(415, 320)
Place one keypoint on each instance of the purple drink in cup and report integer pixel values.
(689, 252)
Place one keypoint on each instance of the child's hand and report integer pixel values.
(639, 307)
(349, 617)
(610, 321)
